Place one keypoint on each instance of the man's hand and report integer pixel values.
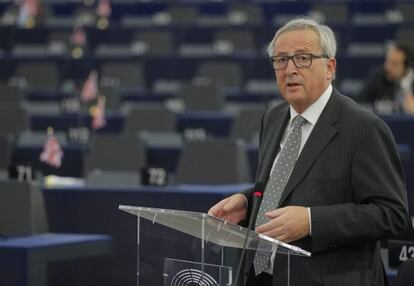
(286, 224)
(232, 209)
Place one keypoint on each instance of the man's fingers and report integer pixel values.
(274, 232)
(266, 227)
(286, 224)
(233, 209)
(229, 206)
(212, 212)
(235, 202)
(275, 213)
(216, 210)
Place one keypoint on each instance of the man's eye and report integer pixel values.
(281, 60)
(302, 57)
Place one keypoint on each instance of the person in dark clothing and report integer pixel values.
(334, 183)
(393, 83)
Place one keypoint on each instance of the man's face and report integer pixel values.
(394, 64)
(302, 86)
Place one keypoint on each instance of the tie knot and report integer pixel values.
(298, 121)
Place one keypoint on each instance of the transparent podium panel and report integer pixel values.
(189, 248)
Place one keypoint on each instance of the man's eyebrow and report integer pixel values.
(281, 54)
(300, 51)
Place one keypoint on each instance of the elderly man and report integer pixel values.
(334, 182)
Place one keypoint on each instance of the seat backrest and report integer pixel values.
(407, 11)
(18, 117)
(405, 35)
(158, 42)
(240, 40)
(111, 50)
(115, 153)
(245, 13)
(22, 209)
(6, 149)
(247, 122)
(113, 178)
(113, 97)
(149, 118)
(10, 96)
(340, 10)
(182, 15)
(214, 162)
(42, 75)
(59, 36)
(29, 137)
(126, 74)
(228, 73)
(202, 95)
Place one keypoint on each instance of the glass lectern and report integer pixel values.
(189, 248)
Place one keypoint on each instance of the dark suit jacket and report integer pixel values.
(405, 275)
(349, 174)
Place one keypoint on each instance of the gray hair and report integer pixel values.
(327, 39)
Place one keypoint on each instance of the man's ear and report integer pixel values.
(331, 67)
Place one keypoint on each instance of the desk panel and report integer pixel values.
(93, 210)
(24, 261)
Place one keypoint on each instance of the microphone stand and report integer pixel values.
(257, 198)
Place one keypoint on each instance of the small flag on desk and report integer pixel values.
(28, 11)
(78, 41)
(98, 114)
(104, 9)
(52, 153)
(78, 36)
(90, 87)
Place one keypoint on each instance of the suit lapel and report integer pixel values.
(278, 122)
(321, 135)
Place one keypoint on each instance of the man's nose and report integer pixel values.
(290, 67)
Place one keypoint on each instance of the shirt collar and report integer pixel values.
(312, 113)
(407, 80)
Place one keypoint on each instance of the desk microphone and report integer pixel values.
(256, 199)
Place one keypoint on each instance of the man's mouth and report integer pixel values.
(293, 84)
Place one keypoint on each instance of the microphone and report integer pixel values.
(256, 199)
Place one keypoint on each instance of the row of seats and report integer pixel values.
(123, 160)
(245, 121)
(136, 13)
(172, 41)
(56, 79)
(50, 74)
(207, 162)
